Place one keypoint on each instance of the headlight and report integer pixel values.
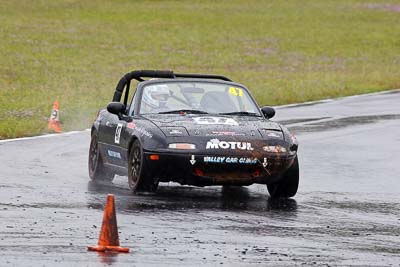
(182, 146)
(274, 149)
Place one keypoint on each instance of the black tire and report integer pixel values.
(139, 178)
(97, 170)
(287, 186)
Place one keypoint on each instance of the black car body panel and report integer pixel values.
(222, 149)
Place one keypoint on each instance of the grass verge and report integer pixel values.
(284, 51)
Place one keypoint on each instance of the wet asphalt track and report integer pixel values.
(347, 210)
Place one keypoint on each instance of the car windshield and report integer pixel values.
(197, 98)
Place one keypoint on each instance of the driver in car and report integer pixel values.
(155, 98)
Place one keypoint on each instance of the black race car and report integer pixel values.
(192, 129)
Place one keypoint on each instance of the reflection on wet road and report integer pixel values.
(347, 211)
(177, 198)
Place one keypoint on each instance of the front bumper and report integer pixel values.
(203, 170)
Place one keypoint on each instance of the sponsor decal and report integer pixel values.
(175, 131)
(215, 120)
(143, 132)
(274, 149)
(114, 154)
(217, 144)
(230, 160)
(235, 91)
(225, 133)
(214, 159)
(118, 131)
(274, 135)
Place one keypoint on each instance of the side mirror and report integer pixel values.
(268, 112)
(116, 108)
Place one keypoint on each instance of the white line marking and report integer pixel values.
(41, 136)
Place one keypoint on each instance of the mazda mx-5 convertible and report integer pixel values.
(195, 129)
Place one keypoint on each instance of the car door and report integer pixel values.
(117, 136)
(110, 130)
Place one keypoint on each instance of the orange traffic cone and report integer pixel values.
(108, 240)
(54, 121)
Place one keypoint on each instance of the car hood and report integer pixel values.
(209, 125)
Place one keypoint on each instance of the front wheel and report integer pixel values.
(287, 186)
(139, 179)
(97, 170)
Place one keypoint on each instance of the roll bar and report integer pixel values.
(167, 74)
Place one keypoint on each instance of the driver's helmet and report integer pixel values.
(156, 96)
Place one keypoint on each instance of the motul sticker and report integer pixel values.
(217, 144)
(118, 133)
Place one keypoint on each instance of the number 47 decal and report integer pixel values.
(235, 91)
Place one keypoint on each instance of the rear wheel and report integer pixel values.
(288, 185)
(97, 170)
(139, 179)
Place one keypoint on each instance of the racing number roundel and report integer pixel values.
(118, 133)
